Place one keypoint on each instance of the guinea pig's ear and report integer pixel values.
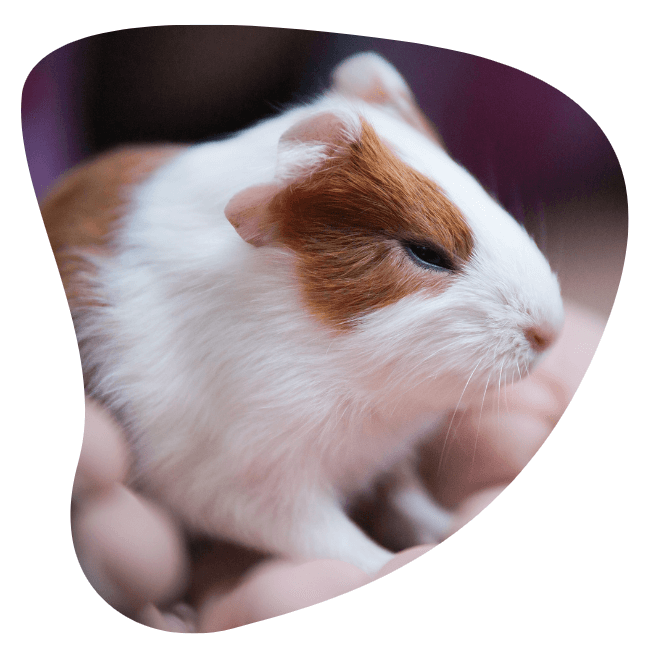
(329, 128)
(302, 150)
(369, 77)
(248, 212)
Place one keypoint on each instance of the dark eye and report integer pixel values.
(429, 257)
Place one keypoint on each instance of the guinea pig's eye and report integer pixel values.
(429, 257)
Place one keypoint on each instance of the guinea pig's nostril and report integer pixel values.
(539, 338)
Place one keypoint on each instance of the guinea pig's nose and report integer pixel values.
(540, 338)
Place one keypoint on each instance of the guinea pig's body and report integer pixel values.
(280, 316)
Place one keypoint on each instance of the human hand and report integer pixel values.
(490, 443)
(278, 587)
(227, 586)
(132, 553)
(130, 550)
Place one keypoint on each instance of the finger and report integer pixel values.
(403, 558)
(131, 552)
(277, 588)
(104, 456)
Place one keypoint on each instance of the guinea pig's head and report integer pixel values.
(428, 287)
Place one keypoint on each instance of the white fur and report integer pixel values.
(248, 418)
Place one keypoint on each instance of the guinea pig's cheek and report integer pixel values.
(420, 349)
(345, 280)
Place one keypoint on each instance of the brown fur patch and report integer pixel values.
(348, 222)
(85, 207)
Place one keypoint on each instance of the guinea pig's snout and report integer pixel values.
(540, 337)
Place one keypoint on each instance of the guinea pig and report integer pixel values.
(279, 317)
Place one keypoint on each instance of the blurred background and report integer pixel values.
(537, 151)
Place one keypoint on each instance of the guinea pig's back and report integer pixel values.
(84, 209)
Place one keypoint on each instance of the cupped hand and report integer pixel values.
(135, 556)
(131, 551)
(490, 443)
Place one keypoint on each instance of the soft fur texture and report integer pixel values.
(271, 364)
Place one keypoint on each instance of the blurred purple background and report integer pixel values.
(528, 144)
(523, 139)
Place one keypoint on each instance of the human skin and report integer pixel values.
(134, 553)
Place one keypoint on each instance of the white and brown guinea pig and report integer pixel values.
(279, 317)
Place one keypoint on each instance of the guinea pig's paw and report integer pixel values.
(372, 561)
(433, 530)
(428, 522)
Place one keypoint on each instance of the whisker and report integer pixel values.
(478, 429)
(412, 372)
(446, 437)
